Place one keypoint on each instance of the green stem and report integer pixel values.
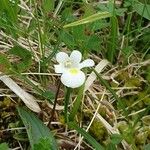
(67, 98)
(76, 104)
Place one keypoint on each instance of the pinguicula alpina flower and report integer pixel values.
(70, 68)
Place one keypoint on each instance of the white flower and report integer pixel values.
(70, 68)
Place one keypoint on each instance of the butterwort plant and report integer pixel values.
(70, 68)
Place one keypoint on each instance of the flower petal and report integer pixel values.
(86, 63)
(73, 80)
(61, 57)
(76, 56)
(59, 68)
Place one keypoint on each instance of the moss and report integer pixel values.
(97, 130)
(144, 97)
(123, 75)
(140, 105)
(133, 81)
(113, 84)
(62, 119)
(102, 110)
(122, 126)
(126, 131)
(146, 101)
(5, 114)
(141, 137)
(146, 120)
(130, 101)
(7, 102)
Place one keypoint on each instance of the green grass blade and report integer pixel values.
(89, 19)
(112, 45)
(10, 9)
(105, 83)
(76, 104)
(87, 136)
(66, 103)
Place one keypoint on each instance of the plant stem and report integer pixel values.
(55, 102)
(77, 104)
(67, 98)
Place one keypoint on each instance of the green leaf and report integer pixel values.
(4, 64)
(111, 146)
(142, 9)
(48, 5)
(25, 56)
(48, 95)
(89, 19)
(8, 16)
(67, 15)
(10, 9)
(4, 146)
(78, 33)
(147, 147)
(93, 43)
(87, 136)
(36, 129)
(68, 39)
(43, 144)
(116, 139)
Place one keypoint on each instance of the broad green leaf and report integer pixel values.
(87, 136)
(142, 9)
(93, 43)
(25, 56)
(48, 95)
(4, 64)
(68, 39)
(89, 19)
(147, 147)
(116, 139)
(36, 129)
(4, 146)
(43, 144)
(48, 5)
(109, 8)
(78, 33)
(67, 15)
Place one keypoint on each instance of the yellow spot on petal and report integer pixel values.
(74, 71)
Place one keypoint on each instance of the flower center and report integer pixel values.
(68, 64)
(74, 71)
